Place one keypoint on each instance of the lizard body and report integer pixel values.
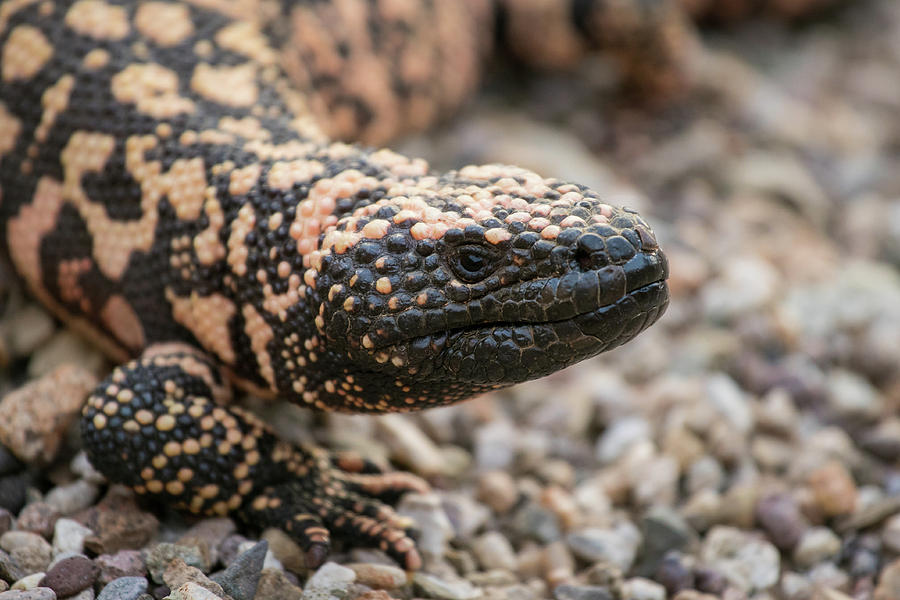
(166, 188)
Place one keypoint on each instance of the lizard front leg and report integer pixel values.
(159, 424)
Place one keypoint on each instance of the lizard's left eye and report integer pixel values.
(472, 263)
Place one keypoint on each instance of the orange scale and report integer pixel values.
(520, 217)
(572, 221)
(538, 223)
(551, 232)
(421, 231)
(404, 215)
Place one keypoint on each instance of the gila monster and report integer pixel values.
(168, 189)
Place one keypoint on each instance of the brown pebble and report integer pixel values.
(559, 565)
(274, 585)
(70, 575)
(382, 577)
(375, 595)
(834, 489)
(498, 490)
(35, 417)
(178, 573)
(39, 518)
(117, 523)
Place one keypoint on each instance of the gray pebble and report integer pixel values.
(241, 578)
(432, 521)
(125, 563)
(780, 517)
(663, 531)
(37, 517)
(438, 587)
(536, 522)
(74, 497)
(638, 588)
(8, 461)
(890, 534)
(12, 492)
(581, 592)
(69, 536)
(494, 551)
(751, 564)
(817, 545)
(159, 557)
(620, 436)
(6, 521)
(192, 591)
(330, 582)
(124, 588)
(466, 515)
(618, 545)
(30, 551)
(34, 594)
(9, 568)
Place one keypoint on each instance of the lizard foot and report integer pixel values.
(158, 425)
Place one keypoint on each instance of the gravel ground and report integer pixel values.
(747, 446)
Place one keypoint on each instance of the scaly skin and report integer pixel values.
(166, 190)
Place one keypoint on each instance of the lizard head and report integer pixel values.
(477, 280)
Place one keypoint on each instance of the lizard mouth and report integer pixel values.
(511, 352)
(572, 318)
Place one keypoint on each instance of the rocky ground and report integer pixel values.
(747, 446)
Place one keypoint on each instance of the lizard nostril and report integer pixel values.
(583, 258)
(588, 249)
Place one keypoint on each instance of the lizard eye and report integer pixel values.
(472, 263)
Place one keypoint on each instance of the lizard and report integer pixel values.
(171, 188)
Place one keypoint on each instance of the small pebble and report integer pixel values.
(581, 592)
(781, 519)
(193, 591)
(177, 574)
(6, 521)
(889, 582)
(638, 588)
(34, 594)
(498, 490)
(330, 582)
(444, 589)
(241, 578)
(275, 585)
(890, 534)
(35, 417)
(834, 489)
(663, 530)
(29, 550)
(29, 582)
(494, 551)
(750, 563)
(816, 545)
(382, 577)
(70, 575)
(159, 557)
(430, 518)
(12, 492)
(124, 563)
(618, 546)
(74, 497)
(69, 536)
(281, 547)
(39, 518)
